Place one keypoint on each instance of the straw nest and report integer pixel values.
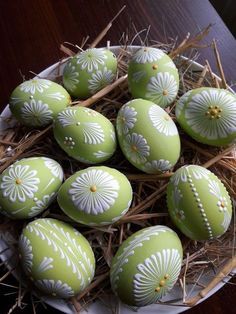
(149, 201)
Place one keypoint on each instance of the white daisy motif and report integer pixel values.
(26, 253)
(35, 85)
(162, 121)
(67, 117)
(36, 113)
(180, 104)
(136, 148)
(162, 89)
(19, 183)
(156, 276)
(70, 77)
(147, 54)
(41, 204)
(54, 167)
(156, 166)
(93, 133)
(212, 113)
(222, 204)
(137, 76)
(94, 191)
(182, 174)
(100, 79)
(90, 59)
(126, 119)
(55, 288)
(45, 264)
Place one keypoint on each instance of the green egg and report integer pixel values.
(29, 186)
(152, 75)
(85, 134)
(56, 257)
(198, 203)
(208, 115)
(146, 266)
(148, 136)
(95, 196)
(89, 71)
(36, 102)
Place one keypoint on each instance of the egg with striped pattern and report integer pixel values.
(56, 257)
(146, 266)
(199, 203)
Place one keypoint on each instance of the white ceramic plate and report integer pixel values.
(106, 306)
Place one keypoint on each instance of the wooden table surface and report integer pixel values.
(31, 32)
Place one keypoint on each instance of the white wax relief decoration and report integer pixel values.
(211, 114)
(162, 121)
(35, 85)
(93, 133)
(36, 112)
(54, 167)
(91, 59)
(55, 288)
(45, 264)
(136, 148)
(156, 276)
(221, 203)
(94, 191)
(160, 165)
(71, 77)
(19, 183)
(100, 79)
(129, 250)
(180, 104)
(182, 176)
(147, 54)
(126, 119)
(41, 204)
(57, 96)
(26, 253)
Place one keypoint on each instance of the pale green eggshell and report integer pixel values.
(89, 71)
(85, 134)
(198, 203)
(152, 75)
(146, 266)
(56, 257)
(208, 115)
(29, 186)
(147, 136)
(36, 102)
(96, 196)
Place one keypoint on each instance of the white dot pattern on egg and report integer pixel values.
(146, 266)
(56, 257)
(198, 203)
(85, 134)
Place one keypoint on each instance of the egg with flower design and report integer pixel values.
(148, 136)
(85, 134)
(96, 196)
(28, 186)
(57, 258)
(36, 102)
(199, 203)
(208, 115)
(146, 266)
(152, 75)
(89, 71)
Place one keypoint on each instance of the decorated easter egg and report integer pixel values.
(56, 257)
(96, 196)
(89, 71)
(36, 102)
(198, 203)
(208, 115)
(147, 136)
(152, 75)
(146, 266)
(28, 186)
(85, 134)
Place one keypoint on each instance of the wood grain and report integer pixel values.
(31, 32)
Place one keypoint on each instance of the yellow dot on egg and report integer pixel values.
(54, 294)
(93, 188)
(167, 118)
(123, 119)
(165, 92)
(134, 148)
(155, 66)
(167, 276)
(18, 181)
(158, 289)
(162, 283)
